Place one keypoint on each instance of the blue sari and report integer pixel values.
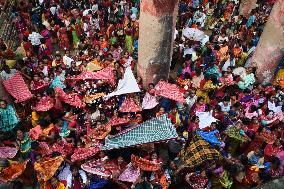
(210, 137)
(8, 119)
(57, 83)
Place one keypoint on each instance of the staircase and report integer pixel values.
(7, 29)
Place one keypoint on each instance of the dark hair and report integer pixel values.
(226, 99)
(200, 98)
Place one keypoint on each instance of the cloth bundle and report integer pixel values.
(130, 174)
(115, 121)
(69, 99)
(84, 153)
(44, 104)
(17, 87)
(170, 91)
(104, 74)
(45, 170)
(7, 152)
(99, 167)
(198, 152)
(129, 105)
(13, 171)
(144, 164)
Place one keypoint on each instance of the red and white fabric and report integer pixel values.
(129, 105)
(73, 100)
(170, 91)
(104, 74)
(35, 132)
(44, 104)
(114, 121)
(17, 87)
(149, 102)
(84, 153)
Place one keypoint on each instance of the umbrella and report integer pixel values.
(193, 34)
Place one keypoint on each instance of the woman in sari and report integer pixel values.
(75, 37)
(199, 106)
(8, 117)
(54, 183)
(24, 143)
(129, 40)
(235, 135)
(63, 38)
(47, 36)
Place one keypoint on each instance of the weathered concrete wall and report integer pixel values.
(269, 50)
(156, 35)
(246, 6)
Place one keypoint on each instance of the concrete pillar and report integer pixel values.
(246, 6)
(156, 35)
(270, 48)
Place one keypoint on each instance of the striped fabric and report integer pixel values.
(155, 130)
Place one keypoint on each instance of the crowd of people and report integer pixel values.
(63, 99)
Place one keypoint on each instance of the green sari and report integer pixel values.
(75, 37)
(129, 43)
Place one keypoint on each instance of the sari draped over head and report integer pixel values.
(75, 36)
(129, 43)
(213, 71)
(46, 169)
(226, 180)
(57, 83)
(13, 171)
(8, 119)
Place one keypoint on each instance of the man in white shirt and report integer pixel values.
(190, 99)
(35, 37)
(87, 11)
(54, 9)
(95, 8)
